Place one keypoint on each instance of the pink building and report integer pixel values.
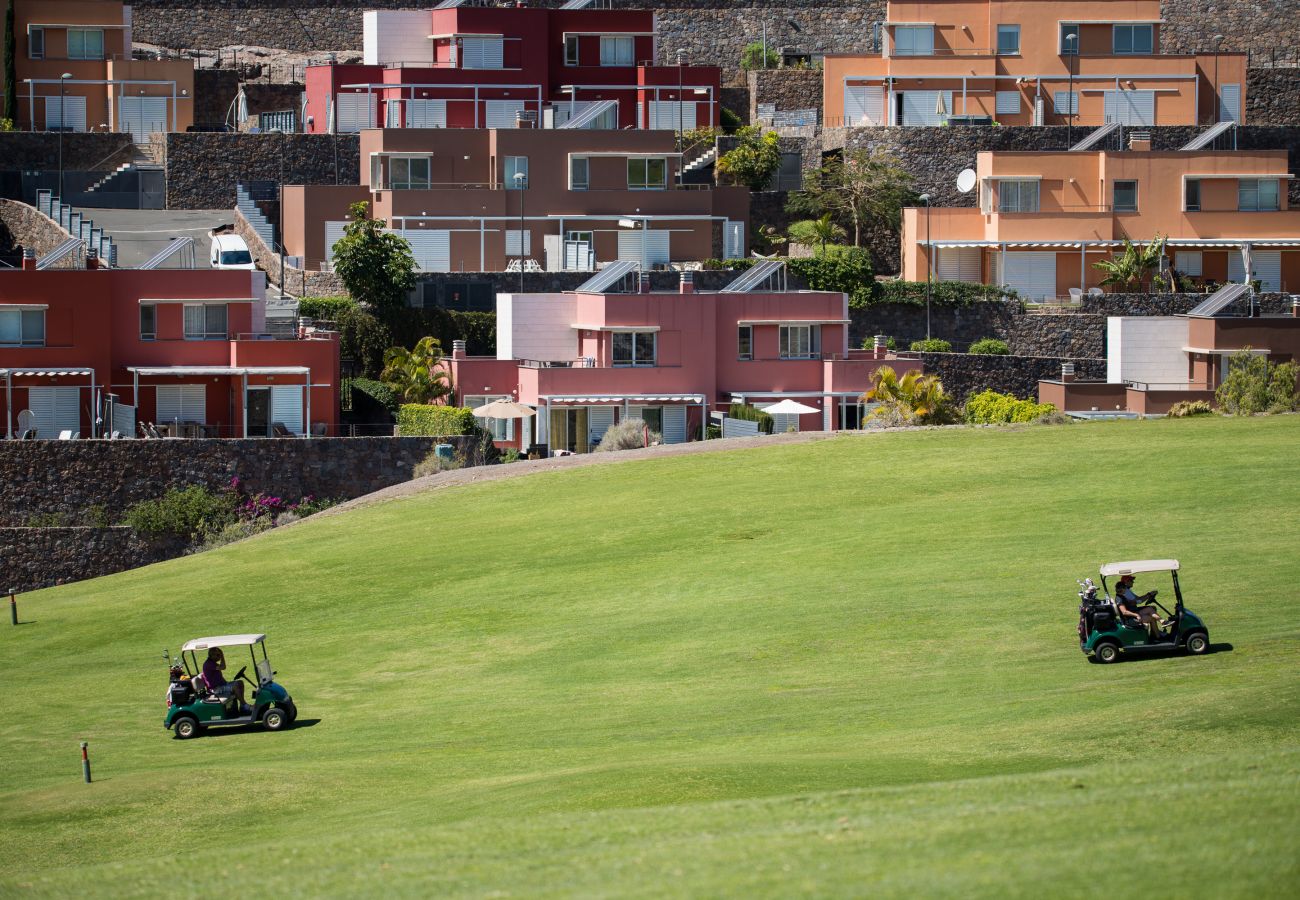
(589, 358)
(480, 67)
(94, 351)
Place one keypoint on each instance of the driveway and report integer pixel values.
(140, 233)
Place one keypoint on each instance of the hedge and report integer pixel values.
(931, 345)
(942, 293)
(427, 420)
(752, 414)
(992, 408)
(327, 308)
(989, 347)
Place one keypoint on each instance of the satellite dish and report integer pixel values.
(966, 180)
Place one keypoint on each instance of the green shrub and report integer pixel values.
(845, 269)
(433, 464)
(943, 293)
(326, 308)
(989, 347)
(754, 57)
(730, 121)
(931, 345)
(185, 512)
(1185, 409)
(426, 420)
(992, 408)
(752, 414)
(510, 455)
(376, 393)
(235, 531)
(362, 338)
(1255, 385)
(627, 435)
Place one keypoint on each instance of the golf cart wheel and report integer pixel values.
(1106, 652)
(186, 727)
(1197, 643)
(275, 719)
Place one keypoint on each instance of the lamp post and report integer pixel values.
(929, 262)
(521, 183)
(63, 81)
(1072, 50)
(681, 61)
(1218, 111)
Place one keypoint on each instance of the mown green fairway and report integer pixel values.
(840, 668)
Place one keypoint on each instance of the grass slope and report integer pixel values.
(844, 667)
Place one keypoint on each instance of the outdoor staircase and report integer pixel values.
(249, 209)
(703, 161)
(139, 160)
(82, 229)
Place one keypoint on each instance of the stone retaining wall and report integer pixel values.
(81, 150)
(1273, 96)
(24, 227)
(214, 91)
(203, 169)
(1175, 304)
(905, 323)
(296, 282)
(1057, 334)
(34, 558)
(789, 89)
(66, 478)
(963, 374)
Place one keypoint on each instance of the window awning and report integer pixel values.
(219, 370)
(615, 328)
(793, 322)
(1225, 351)
(1233, 243)
(620, 398)
(196, 301)
(50, 373)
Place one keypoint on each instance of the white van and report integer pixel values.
(230, 252)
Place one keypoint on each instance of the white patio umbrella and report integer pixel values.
(504, 409)
(788, 407)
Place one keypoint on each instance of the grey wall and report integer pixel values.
(203, 169)
(35, 558)
(963, 375)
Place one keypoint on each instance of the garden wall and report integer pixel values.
(963, 374)
(905, 323)
(34, 558)
(24, 227)
(204, 168)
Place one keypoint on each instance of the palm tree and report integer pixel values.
(417, 375)
(822, 231)
(914, 398)
(1131, 266)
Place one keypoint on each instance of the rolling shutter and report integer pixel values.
(1033, 275)
(599, 420)
(481, 53)
(426, 114)
(922, 107)
(664, 115)
(1265, 266)
(181, 403)
(1230, 103)
(1007, 102)
(123, 419)
(143, 115)
(333, 234)
(958, 264)
(65, 113)
(355, 112)
(674, 421)
(783, 422)
(649, 248)
(734, 235)
(864, 105)
(55, 409)
(286, 406)
(431, 248)
(1131, 107)
(501, 113)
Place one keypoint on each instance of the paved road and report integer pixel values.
(140, 233)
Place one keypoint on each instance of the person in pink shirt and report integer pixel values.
(213, 668)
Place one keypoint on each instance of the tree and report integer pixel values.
(1131, 267)
(821, 231)
(914, 399)
(767, 239)
(1255, 385)
(867, 187)
(755, 159)
(417, 375)
(753, 57)
(376, 265)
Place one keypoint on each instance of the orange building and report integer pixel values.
(1030, 62)
(1045, 218)
(75, 72)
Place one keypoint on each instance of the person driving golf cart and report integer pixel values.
(216, 681)
(1130, 607)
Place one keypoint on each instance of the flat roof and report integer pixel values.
(1133, 567)
(219, 370)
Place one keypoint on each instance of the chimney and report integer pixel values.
(644, 283)
(1140, 141)
(92, 261)
(1295, 309)
(688, 283)
(29, 260)
(457, 349)
(1067, 372)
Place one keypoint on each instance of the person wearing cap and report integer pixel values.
(1130, 606)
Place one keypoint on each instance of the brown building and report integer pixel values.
(584, 197)
(75, 72)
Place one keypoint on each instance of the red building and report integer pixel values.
(96, 351)
(480, 67)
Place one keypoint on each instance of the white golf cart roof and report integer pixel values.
(1136, 566)
(223, 640)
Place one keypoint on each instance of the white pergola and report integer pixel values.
(242, 371)
(47, 372)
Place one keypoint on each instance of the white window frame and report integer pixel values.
(502, 429)
(744, 342)
(1114, 195)
(912, 45)
(23, 317)
(410, 183)
(85, 33)
(800, 341)
(617, 50)
(635, 359)
(576, 183)
(1007, 29)
(1250, 187)
(1132, 29)
(1189, 262)
(572, 50)
(1016, 200)
(206, 334)
(1007, 103)
(481, 46)
(645, 183)
(1071, 98)
(512, 242)
(1187, 187)
(513, 166)
(153, 309)
(1062, 46)
(32, 40)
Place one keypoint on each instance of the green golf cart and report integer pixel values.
(1104, 634)
(192, 706)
